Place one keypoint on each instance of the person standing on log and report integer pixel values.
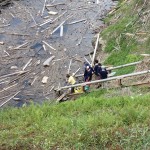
(71, 81)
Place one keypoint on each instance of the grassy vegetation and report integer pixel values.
(122, 42)
(94, 121)
(100, 120)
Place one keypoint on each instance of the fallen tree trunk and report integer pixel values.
(105, 80)
(118, 67)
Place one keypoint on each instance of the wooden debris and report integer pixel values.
(45, 22)
(1, 43)
(61, 97)
(4, 25)
(49, 45)
(69, 66)
(51, 88)
(61, 30)
(96, 46)
(47, 62)
(87, 61)
(60, 59)
(76, 72)
(105, 80)
(27, 64)
(6, 52)
(18, 47)
(13, 67)
(9, 99)
(54, 20)
(17, 34)
(43, 8)
(55, 4)
(76, 21)
(52, 13)
(147, 55)
(44, 80)
(44, 47)
(12, 74)
(5, 89)
(58, 27)
(34, 80)
(80, 41)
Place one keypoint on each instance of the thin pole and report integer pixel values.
(105, 80)
(96, 46)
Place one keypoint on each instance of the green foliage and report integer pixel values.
(123, 47)
(91, 122)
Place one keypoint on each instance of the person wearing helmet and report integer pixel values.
(88, 74)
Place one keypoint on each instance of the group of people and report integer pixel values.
(98, 70)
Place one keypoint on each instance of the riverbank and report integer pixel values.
(127, 35)
(103, 119)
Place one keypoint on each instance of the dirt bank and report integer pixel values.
(22, 33)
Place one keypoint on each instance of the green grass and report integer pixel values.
(91, 122)
(122, 48)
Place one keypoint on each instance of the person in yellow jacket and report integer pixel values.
(71, 81)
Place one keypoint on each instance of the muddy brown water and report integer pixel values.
(17, 26)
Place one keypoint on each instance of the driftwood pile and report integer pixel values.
(39, 46)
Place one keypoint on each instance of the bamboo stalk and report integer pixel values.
(61, 30)
(43, 8)
(126, 65)
(55, 4)
(58, 27)
(75, 72)
(15, 73)
(105, 80)
(118, 67)
(49, 45)
(27, 64)
(18, 47)
(69, 66)
(54, 20)
(96, 46)
(9, 99)
(5, 89)
(77, 21)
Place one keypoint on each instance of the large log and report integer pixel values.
(118, 67)
(96, 46)
(105, 80)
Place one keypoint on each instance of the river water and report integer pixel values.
(21, 23)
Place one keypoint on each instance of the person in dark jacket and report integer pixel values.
(96, 67)
(88, 74)
(103, 72)
(97, 70)
(87, 64)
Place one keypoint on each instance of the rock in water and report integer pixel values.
(47, 62)
(44, 80)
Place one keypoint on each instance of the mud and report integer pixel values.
(18, 25)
